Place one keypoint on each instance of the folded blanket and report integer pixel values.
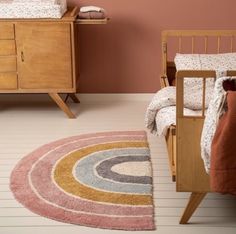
(223, 156)
(86, 9)
(92, 15)
(215, 111)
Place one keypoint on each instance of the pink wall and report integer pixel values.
(125, 55)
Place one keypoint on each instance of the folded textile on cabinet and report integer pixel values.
(92, 12)
(92, 15)
(86, 9)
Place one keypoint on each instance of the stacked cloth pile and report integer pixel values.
(92, 12)
(161, 112)
(32, 9)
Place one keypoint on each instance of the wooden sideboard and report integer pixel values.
(41, 56)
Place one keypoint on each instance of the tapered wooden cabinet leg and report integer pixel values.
(73, 96)
(194, 201)
(56, 98)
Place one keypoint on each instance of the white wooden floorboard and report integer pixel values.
(27, 125)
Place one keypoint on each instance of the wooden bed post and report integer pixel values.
(190, 172)
(164, 79)
(193, 203)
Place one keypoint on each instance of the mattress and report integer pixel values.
(167, 116)
(216, 62)
(32, 9)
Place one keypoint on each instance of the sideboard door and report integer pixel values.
(44, 60)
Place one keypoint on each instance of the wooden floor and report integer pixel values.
(26, 125)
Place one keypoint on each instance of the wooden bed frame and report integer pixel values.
(183, 140)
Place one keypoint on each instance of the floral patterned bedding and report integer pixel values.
(167, 117)
(192, 88)
(161, 112)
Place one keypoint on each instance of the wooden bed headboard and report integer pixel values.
(212, 41)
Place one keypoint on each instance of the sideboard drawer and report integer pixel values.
(7, 47)
(8, 81)
(7, 64)
(7, 31)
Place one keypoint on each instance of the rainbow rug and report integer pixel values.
(98, 180)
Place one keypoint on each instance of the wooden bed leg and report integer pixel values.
(56, 98)
(194, 201)
(74, 98)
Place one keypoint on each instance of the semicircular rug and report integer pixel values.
(98, 180)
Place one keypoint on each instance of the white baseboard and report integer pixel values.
(115, 97)
(84, 97)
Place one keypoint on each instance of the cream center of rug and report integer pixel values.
(133, 168)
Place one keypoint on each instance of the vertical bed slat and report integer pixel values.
(204, 97)
(193, 44)
(232, 44)
(206, 44)
(180, 44)
(218, 44)
(164, 58)
(180, 99)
